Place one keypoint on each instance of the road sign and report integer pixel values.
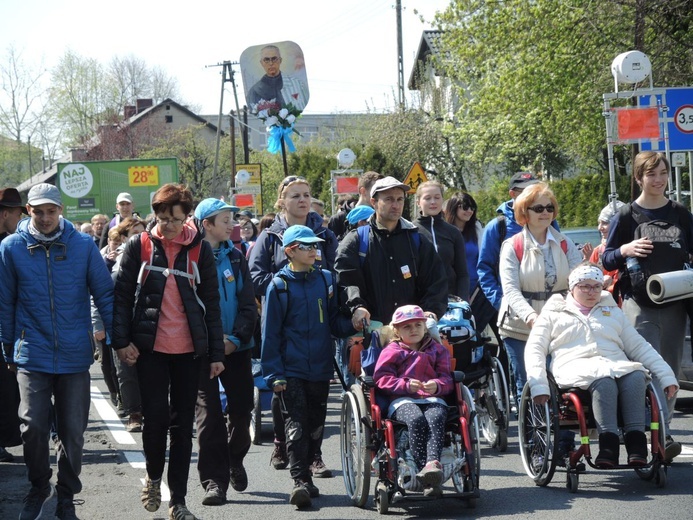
(416, 176)
(679, 119)
(678, 160)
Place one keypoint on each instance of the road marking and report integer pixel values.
(110, 418)
(686, 451)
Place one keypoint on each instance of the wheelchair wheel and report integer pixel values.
(571, 482)
(382, 498)
(653, 470)
(538, 432)
(256, 419)
(468, 481)
(493, 406)
(353, 437)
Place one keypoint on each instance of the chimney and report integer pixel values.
(130, 110)
(143, 104)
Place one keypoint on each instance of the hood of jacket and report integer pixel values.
(506, 209)
(558, 302)
(23, 231)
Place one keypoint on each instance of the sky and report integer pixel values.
(350, 47)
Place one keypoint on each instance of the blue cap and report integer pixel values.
(299, 234)
(210, 207)
(359, 213)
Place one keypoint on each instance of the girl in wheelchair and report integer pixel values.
(591, 345)
(414, 371)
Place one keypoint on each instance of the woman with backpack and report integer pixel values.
(630, 248)
(534, 265)
(166, 318)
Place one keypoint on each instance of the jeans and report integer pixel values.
(516, 356)
(156, 372)
(342, 357)
(72, 399)
(223, 446)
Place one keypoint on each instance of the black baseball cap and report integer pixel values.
(521, 180)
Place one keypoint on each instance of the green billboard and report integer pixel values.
(89, 188)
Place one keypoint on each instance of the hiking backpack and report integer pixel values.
(363, 233)
(281, 285)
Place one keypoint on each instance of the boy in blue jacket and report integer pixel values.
(220, 460)
(300, 315)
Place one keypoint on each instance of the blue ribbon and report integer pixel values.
(275, 137)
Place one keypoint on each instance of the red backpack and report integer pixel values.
(519, 246)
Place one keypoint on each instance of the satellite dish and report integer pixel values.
(346, 158)
(631, 67)
(242, 178)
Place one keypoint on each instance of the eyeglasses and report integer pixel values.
(305, 247)
(271, 59)
(467, 207)
(586, 288)
(167, 221)
(540, 209)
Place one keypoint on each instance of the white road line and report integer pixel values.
(121, 436)
(110, 417)
(686, 451)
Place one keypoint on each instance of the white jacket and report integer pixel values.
(529, 276)
(585, 348)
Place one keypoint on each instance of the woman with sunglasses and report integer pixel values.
(460, 211)
(613, 365)
(165, 321)
(534, 264)
(268, 256)
(445, 237)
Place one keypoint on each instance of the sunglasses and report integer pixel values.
(292, 178)
(466, 207)
(305, 247)
(540, 209)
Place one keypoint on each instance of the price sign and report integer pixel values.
(143, 176)
(683, 119)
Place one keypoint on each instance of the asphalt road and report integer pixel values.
(113, 471)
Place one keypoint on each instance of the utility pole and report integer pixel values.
(400, 58)
(227, 74)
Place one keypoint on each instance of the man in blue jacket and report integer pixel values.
(48, 271)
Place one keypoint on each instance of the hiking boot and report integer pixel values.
(180, 512)
(313, 490)
(214, 496)
(279, 459)
(151, 494)
(238, 478)
(318, 468)
(35, 500)
(66, 508)
(636, 446)
(672, 449)
(431, 475)
(300, 496)
(134, 423)
(5, 456)
(609, 444)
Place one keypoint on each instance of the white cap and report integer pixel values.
(124, 197)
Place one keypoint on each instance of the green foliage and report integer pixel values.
(580, 199)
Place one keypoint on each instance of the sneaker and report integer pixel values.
(433, 491)
(238, 478)
(431, 475)
(672, 449)
(214, 496)
(180, 512)
(300, 496)
(279, 459)
(313, 490)
(5, 456)
(151, 494)
(319, 470)
(134, 423)
(35, 500)
(66, 508)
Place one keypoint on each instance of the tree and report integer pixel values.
(531, 74)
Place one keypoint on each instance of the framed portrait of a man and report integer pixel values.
(274, 74)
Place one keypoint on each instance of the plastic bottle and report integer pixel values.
(633, 266)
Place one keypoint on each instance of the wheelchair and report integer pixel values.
(373, 446)
(546, 436)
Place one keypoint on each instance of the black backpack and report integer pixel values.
(669, 238)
